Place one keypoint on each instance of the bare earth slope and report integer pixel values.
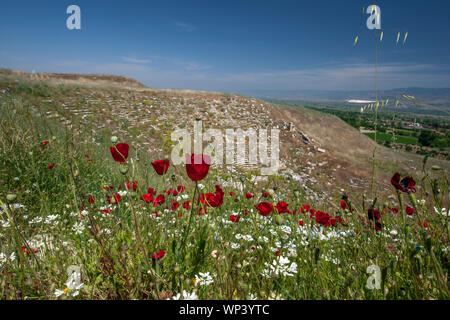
(322, 154)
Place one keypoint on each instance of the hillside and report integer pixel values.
(90, 209)
(331, 158)
(79, 79)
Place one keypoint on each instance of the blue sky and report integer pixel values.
(232, 46)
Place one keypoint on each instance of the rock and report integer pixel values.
(304, 137)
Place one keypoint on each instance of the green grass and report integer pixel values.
(384, 137)
(114, 251)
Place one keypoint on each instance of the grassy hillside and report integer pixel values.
(130, 233)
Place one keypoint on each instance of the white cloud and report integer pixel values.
(134, 60)
(196, 67)
(185, 26)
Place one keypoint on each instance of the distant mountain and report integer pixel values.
(93, 79)
(436, 97)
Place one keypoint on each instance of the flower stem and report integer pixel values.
(186, 233)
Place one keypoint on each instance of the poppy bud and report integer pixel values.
(435, 168)
(11, 196)
(279, 220)
(296, 193)
(316, 254)
(418, 263)
(413, 199)
(243, 178)
(123, 169)
(428, 242)
(114, 139)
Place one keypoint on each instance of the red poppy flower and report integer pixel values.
(158, 254)
(301, 223)
(323, 218)
(159, 200)
(234, 218)
(266, 194)
(282, 207)
(197, 166)
(215, 200)
(132, 185)
(91, 199)
(246, 212)
(409, 211)
(378, 226)
(181, 189)
(147, 197)
(305, 208)
(373, 214)
(264, 208)
(172, 192)
(114, 199)
(51, 166)
(425, 224)
(86, 156)
(406, 184)
(394, 210)
(202, 199)
(249, 195)
(151, 191)
(335, 221)
(120, 152)
(161, 166)
(343, 205)
(186, 205)
(175, 206)
(44, 143)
